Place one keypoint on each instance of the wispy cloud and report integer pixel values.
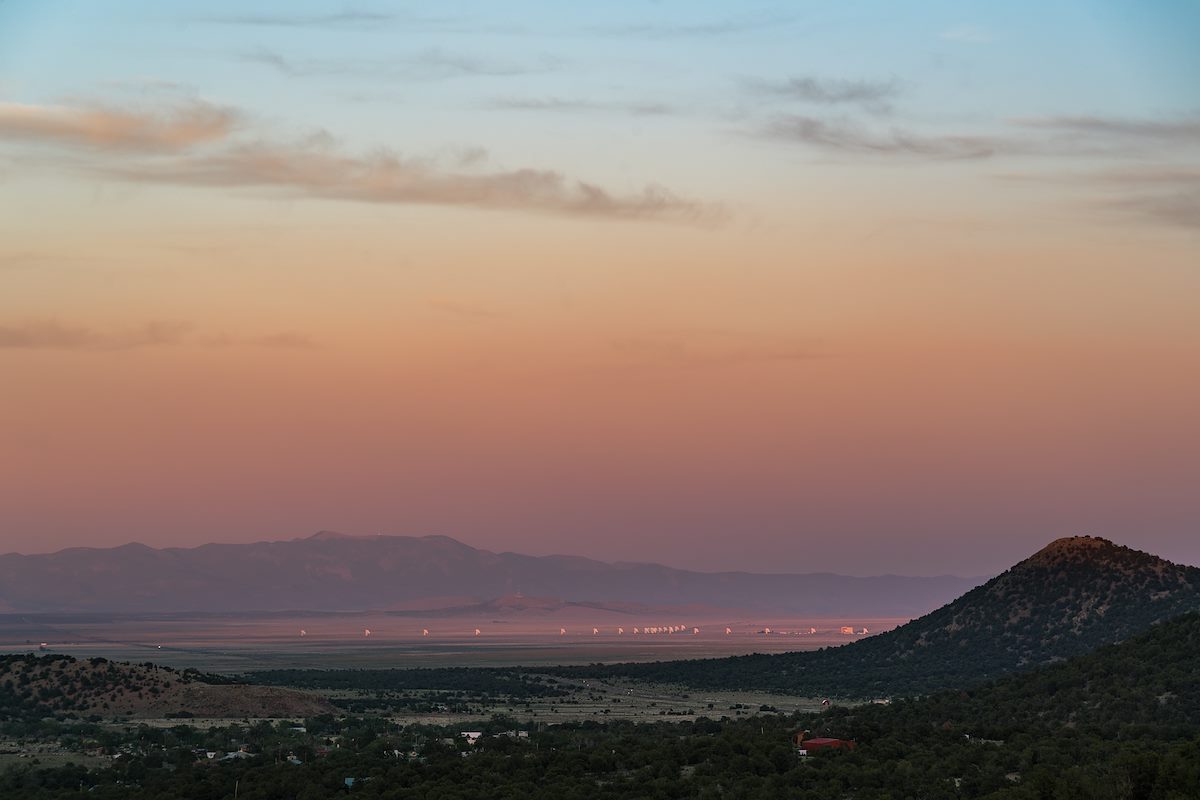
(53, 335)
(360, 20)
(176, 128)
(150, 85)
(1167, 194)
(57, 336)
(315, 168)
(431, 64)
(470, 156)
(745, 23)
(871, 95)
(1155, 172)
(1061, 137)
(1180, 208)
(1151, 175)
(562, 104)
(1185, 131)
(344, 18)
(385, 177)
(844, 136)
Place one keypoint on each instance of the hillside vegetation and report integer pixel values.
(36, 686)
(1122, 723)
(1145, 687)
(1071, 597)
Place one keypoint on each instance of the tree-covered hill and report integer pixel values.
(34, 686)
(1147, 687)
(1071, 597)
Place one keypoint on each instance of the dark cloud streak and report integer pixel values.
(560, 104)
(1065, 137)
(1178, 208)
(848, 138)
(347, 18)
(1165, 194)
(746, 23)
(431, 64)
(1184, 131)
(870, 95)
(56, 336)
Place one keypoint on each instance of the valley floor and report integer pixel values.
(232, 643)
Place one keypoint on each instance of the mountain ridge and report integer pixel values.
(332, 571)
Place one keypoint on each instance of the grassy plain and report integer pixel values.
(592, 700)
(230, 644)
(233, 644)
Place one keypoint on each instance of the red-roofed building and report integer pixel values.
(820, 743)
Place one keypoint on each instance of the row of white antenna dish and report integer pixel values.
(649, 629)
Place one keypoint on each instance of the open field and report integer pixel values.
(238, 643)
(609, 700)
(234, 644)
(590, 700)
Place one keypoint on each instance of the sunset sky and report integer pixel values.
(858, 287)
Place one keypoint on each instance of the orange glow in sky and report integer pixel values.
(668, 285)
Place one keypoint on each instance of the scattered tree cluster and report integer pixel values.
(1122, 723)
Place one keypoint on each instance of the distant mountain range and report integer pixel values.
(334, 572)
(1067, 599)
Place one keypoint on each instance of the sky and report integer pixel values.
(865, 287)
